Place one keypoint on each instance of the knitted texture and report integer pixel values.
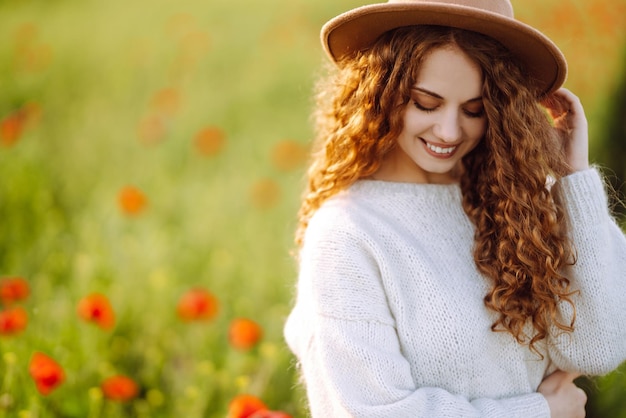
(389, 319)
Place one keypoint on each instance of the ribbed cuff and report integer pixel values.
(533, 405)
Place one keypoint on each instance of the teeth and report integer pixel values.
(440, 150)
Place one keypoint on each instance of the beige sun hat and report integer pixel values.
(357, 29)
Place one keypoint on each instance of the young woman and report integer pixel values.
(457, 256)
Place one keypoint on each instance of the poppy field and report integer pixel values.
(152, 157)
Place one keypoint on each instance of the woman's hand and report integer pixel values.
(566, 400)
(571, 124)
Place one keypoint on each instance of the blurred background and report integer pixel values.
(152, 156)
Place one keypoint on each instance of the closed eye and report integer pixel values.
(474, 107)
(475, 114)
(424, 108)
(478, 114)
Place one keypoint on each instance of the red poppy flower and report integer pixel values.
(34, 57)
(197, 304)
(152, 129)
(244, 333)
(119, 388)
(244, 406)
(265, 194)
(270, 414)
(166, 102)
(193, 45)
(46, 373)
(132, 201)
(96, 308)
(288, 155)
(13, 125)
(11, 128)
(13, 289)
(13, 320)
(209, 141)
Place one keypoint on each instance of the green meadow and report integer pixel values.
(202, 108)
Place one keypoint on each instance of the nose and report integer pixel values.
(448, 128)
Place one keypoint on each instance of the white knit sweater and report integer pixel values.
(390, 322)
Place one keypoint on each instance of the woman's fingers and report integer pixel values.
(557, 379)
(570, 122)
(564, 398)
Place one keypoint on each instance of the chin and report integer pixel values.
(438, 169)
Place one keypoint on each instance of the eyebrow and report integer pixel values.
(436, 96)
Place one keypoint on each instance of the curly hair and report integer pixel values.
(521, 241)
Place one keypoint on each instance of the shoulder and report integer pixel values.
(342, 218)
(353, 212)
(339, 262)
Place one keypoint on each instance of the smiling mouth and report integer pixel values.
(440, 150)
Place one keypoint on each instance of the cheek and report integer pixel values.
(414, 120)
(476, 129)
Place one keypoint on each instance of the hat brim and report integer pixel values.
(357, 29)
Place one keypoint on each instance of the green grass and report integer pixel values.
(94, 69)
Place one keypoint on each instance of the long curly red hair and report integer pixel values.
(521, 241)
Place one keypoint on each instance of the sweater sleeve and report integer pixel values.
(344, 336)
(598, 343)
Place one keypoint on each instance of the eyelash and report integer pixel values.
(432, 109)
(422, 108)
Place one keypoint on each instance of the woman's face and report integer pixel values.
(443, 121)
